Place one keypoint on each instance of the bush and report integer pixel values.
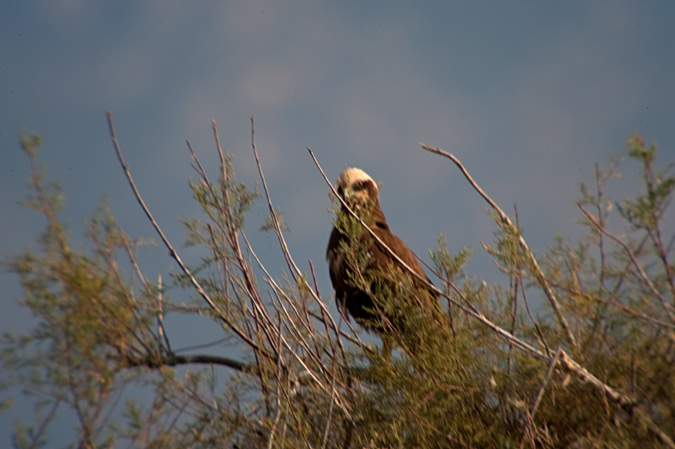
(593, 368)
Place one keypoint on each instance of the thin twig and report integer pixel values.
(515, 281)
(664, 303)
(295, 271)
(532, 320)
(160, 315)
(40, 431)
(324, 319)
(330, 407)
(540, 394)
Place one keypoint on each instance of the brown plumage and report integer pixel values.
(378, 274)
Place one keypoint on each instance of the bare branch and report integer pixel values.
(165, 240)
(295, 271)
(643, 276)
(154, 361)
(505, 221)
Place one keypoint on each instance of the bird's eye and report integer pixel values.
(359, 185)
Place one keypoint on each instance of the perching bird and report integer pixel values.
(361, 269)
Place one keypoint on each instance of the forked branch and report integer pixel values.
(174, 254)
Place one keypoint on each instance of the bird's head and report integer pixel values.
(357, 189)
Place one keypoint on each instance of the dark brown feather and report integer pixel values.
(381, 271)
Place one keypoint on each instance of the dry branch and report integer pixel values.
(174, 254)
(643, 276)
(505, 221)
(153, 361)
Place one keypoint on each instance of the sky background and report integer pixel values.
(529, 95)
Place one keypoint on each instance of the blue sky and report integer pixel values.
(529, 95)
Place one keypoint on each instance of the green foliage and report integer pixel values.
(448, 265)
(492, 367)
(644, 210)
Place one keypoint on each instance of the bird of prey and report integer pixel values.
(370, 284)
